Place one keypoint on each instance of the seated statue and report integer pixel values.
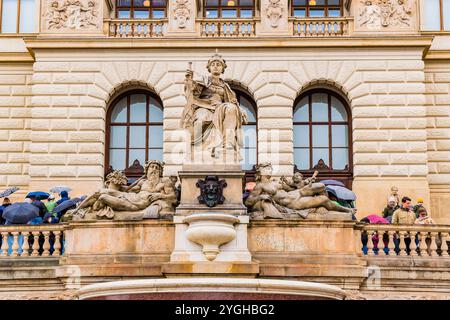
(279, 199)
(151, 195)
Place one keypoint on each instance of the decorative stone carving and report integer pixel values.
(182, 12)
(377, 14)
(151, 196)
(274, 12)
(212, 115)
(288, 197)
(72, 14)
(211, 191)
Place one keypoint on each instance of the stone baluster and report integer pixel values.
(370, 244)
(35, 252)
(444, 246)
(402, 244)
(4, 248)
(57, 244)
(413, 246)
(423, 244)
(26, 244)
(433, 246)
(46, 246)
(15, 245)
(391, 244)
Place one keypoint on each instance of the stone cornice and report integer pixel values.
(438, 55)
(9, 57)
(195, 43)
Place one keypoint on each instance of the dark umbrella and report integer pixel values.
(38, 194)
(330, 182)
(66, 204)
(341, 193)
(20, 212)
(8, 192)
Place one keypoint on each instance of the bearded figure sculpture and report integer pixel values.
(151, 196)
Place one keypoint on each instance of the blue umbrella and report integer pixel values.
(20, 213)
(341, 193)
(66, 205)
(38, 194)
(330, 182)
(8, 192)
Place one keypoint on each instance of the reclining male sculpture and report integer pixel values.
(151, 196)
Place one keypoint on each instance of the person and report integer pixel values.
(390, 208)
(64, 197)
(418, 206)
(423, 217)
(36, 201)
(403, 215)
(51, 203)
(6, 203)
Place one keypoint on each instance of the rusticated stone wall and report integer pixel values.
(437, 84)
(15, 114)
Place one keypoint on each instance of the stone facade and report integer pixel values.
(53, 103)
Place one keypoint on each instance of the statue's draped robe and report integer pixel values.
(206, 105)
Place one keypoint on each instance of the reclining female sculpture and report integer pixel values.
(151, 193)
(212, 113)
(278, 199)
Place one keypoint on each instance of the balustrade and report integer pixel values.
(124, 28)
(310, 27)
(404, 240)
(227, 28)
(31, 241)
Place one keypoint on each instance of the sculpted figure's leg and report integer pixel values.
(117, 204)
(314, 189)
(230, 125)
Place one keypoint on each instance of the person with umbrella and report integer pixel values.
(36, 201)
(51, 203)
(6, 203)
(64, 197)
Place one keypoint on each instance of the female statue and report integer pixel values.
(212, 113)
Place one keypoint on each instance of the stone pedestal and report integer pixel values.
(190, 175)
(189, 255)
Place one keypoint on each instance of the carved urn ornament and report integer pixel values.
(211, 191)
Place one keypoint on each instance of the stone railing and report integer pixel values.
(125, 28)
(227, 27)
(404, 240)
(321, 27)
(31, 241)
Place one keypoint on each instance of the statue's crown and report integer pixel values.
(217, 57)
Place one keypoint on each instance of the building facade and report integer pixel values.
(359, 90)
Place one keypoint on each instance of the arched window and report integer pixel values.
(229, 9)
(134, 131)
(249, 150)
(141, 9)
(317, 8)
(322, 135)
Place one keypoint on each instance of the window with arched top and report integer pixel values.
(141, 9)
(249, 151)
(134, 132)
(322, 135)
